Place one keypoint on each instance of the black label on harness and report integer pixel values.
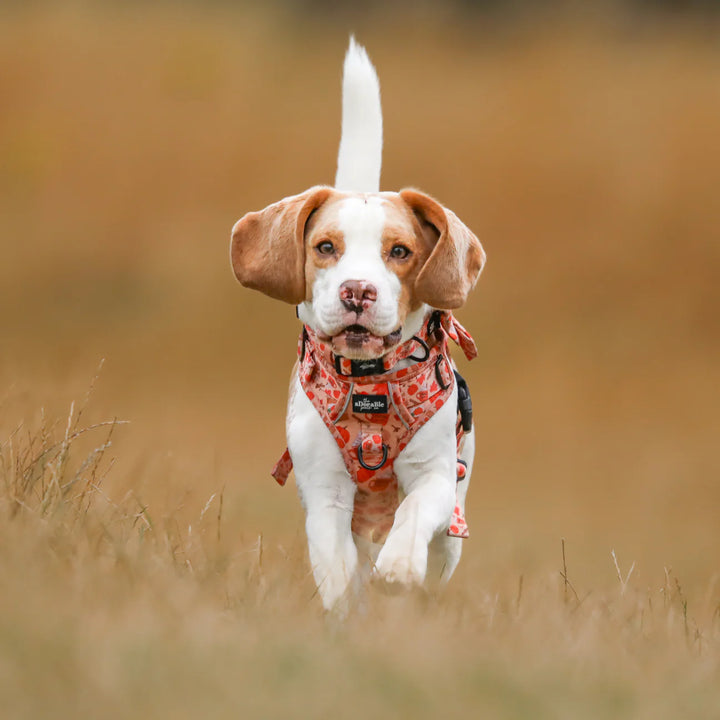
(370, 403)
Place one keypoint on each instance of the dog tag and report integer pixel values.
(370, 403)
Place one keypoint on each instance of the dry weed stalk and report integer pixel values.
(37, 471)
(54, 474)
(566, 580)
(623, 581)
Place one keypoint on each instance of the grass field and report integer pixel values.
(150, 567)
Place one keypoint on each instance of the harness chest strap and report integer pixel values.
(373, 418)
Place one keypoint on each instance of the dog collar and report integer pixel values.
(417, 348)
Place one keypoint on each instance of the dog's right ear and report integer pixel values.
(267, 250)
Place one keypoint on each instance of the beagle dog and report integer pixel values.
(379, 431)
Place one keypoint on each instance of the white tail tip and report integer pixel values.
(360, 154)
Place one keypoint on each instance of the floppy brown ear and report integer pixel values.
(267, 250)
(455, 262)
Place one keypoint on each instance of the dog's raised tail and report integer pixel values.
(360, 154)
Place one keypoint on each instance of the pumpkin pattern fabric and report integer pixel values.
(373, 418)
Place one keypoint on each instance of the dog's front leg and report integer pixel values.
(426, 472)
(327, 494)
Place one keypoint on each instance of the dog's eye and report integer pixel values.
(399, 252)
(325, 248)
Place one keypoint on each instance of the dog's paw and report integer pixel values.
(400, 570)
(337, 591)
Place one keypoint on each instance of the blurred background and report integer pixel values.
(581, 142)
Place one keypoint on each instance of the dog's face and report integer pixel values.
(362, 257)
(362, 267)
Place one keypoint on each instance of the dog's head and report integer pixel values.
(364, 268)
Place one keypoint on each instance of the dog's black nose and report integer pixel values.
(357, 295)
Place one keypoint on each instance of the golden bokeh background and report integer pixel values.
(582, 148)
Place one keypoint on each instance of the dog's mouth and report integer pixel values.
(357, 342)
(356, 334)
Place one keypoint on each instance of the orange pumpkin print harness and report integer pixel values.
(373, 411)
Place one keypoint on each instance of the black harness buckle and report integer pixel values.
(464, 402)
(372, 467)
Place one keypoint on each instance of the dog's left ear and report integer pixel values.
(455, 262)
(267, 250)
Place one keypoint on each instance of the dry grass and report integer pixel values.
(152, 568)
(111, 607)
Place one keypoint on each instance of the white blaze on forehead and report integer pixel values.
(362, 220)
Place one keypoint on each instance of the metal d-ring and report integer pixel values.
(372, 467)
(424, 346)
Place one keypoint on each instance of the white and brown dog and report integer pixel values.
(382, 455)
